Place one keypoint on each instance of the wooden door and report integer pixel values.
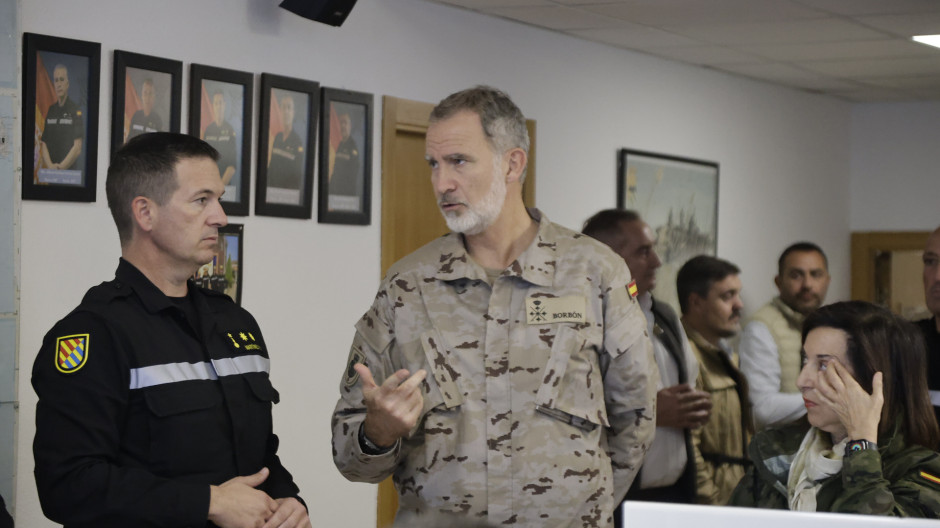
(410, 217)
(869, 249)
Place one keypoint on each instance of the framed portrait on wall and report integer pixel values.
(286, 140)
(60, 118)
(220, 105)
(224, 273)
(345, 188)
(678, 198)
(147, 96)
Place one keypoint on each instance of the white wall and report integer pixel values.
(784, 159)
(895, 167)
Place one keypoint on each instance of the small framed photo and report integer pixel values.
(286, 140)
(220, 114)
(60, 118)
(224, 273)
(345, 186)
(147, 96)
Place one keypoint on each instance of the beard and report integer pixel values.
(479, 216)
(804, 302)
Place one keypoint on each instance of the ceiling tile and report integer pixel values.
(858, 50)
(696, 12)
(873, 95)
(770, 70)
(926, 82)
(634, 37)
(876, 67)
(815, 30)
(556, 17)
(866, 49)
(873, 7)
(905, 25)
(481, 4)
(705, 55)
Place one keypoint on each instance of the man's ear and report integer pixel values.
(145, 213)
(517, 164)
(777, 281)
(695, 301)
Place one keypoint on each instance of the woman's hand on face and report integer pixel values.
(858, 411)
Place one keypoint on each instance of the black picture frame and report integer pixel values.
(285, 163)
(224, 273)
(142, 81)
(347, 200)
(208, 85)
(43, 179)
(678, 197)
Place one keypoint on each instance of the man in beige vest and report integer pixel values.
(770, 344)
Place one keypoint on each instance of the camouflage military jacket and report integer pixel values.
(898, 479)
(540, 395)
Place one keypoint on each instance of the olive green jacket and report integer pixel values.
(898, 479)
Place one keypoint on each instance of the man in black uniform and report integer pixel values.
(145, 120)
(345, 178)
(286, 164)
(931, 326)
(64, 129)
(221, 135)
(154, 397)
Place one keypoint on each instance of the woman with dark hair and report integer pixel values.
(869, 444)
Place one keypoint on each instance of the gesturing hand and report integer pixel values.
(683, 407)
(858, 411)
(393, 408)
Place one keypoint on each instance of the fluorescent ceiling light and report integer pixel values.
(930, 40)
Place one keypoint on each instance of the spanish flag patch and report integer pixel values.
(71, 353)
(928, 476)
(631, 289)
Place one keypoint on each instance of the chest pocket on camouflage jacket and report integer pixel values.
(573, 386)
(442, 388)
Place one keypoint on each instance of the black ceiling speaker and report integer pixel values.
(332, 12)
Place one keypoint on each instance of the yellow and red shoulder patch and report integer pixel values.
(71, 353)
(631, 289)
(932, 478)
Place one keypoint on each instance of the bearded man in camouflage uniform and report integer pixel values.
(503, 371)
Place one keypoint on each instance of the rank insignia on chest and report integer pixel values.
(71, 352)
(547, 310)
(243, 340)
(632, 289)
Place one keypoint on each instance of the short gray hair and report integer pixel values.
(503, 122)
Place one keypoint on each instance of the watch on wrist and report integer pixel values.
(854, 446)
(368, 447)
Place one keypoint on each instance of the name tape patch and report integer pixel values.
(548, 310)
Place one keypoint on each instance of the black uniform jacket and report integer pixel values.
(141, 408)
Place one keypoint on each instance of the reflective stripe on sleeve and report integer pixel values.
(241, 365)
(144, 377)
